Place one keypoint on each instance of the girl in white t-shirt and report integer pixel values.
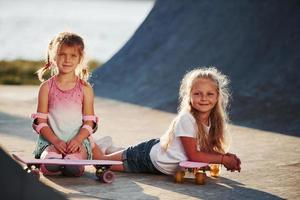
(197, 133)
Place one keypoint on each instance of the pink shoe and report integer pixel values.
(50, 169)
(104, 143)
(46, 170)
(113, 149)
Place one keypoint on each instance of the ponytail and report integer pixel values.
(42, 70)
(48, 63)
(84, 74)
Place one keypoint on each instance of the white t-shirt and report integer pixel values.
(167, 161)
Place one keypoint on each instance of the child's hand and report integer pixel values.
(238, 160)
(73, 146)
(232, 162)
(61, 146)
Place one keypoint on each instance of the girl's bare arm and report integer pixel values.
(190, 146)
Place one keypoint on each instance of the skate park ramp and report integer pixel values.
(17, 184)
(254, 42)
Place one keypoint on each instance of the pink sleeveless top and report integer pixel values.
(64, 115)
(65, 109)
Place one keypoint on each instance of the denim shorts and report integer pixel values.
(136, 159)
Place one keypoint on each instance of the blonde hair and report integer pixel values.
(216, 140)
(71, 40)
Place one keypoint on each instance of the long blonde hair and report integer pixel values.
(71, 40)
(216, 140)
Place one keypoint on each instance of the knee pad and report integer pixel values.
(94, 119)
(72, 157)
(51, 155)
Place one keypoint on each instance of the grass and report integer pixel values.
(22, 72)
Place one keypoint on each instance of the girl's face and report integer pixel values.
(204, 95)
(68, 57)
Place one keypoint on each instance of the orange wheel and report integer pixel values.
(200, 178)
(215, 170)
(179, 176)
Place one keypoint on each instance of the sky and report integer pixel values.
(26, 27)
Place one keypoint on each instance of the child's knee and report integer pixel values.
(74, 156)
(51, 153)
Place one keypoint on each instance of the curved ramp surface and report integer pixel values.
(16, 184)
(256, 43)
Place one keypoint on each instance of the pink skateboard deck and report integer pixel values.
(102, 166)
(189, 164)
(65, 162)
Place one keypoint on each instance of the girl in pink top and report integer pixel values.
(65, 116)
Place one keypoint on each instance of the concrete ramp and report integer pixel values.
(270, 162)
(16, 184)
(255, 42)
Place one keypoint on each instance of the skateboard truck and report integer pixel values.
(198, 169)
(200, 175)
(104, 174)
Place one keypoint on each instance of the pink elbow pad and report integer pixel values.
(93, 118)
(39, 127)
(87, 127)
(39, 115)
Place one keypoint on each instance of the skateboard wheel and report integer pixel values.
(36, 173)
(215, 170)
(179, 177)
(99, 173)
(108, 177)
(27, 169)
(33, 170)
(200, 178)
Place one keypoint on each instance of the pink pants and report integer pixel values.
(51, 153)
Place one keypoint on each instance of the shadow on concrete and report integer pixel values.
(129, 186)
(16, 184)
(215, 188)
(88, 186)
(139, 186)
(16, 126)
(256, 43)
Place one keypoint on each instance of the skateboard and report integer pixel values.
(198, 169)
(102, 166)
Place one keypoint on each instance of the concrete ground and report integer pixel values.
(270, 161)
